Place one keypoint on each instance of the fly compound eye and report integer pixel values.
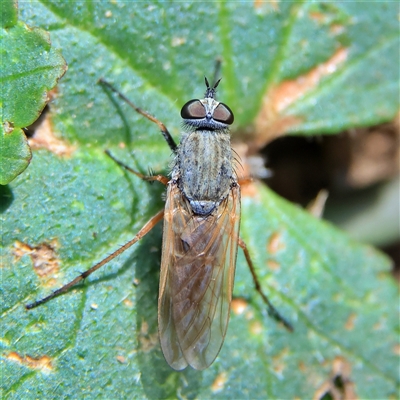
(193, 109)
(223, 114)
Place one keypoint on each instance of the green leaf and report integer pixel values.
(9, 13)
(15, 153)
(30, 68)
(68, 212)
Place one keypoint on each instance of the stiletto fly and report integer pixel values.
(200, 235)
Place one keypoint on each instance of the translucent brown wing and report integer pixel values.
(196, 281)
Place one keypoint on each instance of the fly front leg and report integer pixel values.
(164, 131)
(272, 311)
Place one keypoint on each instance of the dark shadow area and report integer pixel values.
(343, 164)
(297, 166)
(393, 251)
(6, 198)
(31, 129)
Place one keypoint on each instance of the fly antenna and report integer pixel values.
(210, 92)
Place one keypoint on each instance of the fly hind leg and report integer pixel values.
(144, 231)
(272, 311)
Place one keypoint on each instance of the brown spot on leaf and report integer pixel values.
(350, 322)
(275, 243)
(302, 366)
(148, 341)
(273, 265)
(44, 257)
(177, 41)
(238, 306)
(128, 303)
(144, 329)
(43, 363)
(325, 18)
(121, 359)
(336, 29)
(278, 361)
(219, 382)
(136, 282)
(8, 127)
(272, 3)
(256, 328)
(272, 121)
(339, 385)
(317, 16)
(378, 326)
(44, 138)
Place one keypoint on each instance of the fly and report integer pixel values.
(200, 235)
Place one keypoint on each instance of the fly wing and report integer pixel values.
(196, 281)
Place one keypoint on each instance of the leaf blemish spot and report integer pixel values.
(8, 126)
(273, 265)
(42, 363)
(128, 303)
(148, 341)
(278, 362)
(334, 27)
(44, 257)
(379, 325)
(238, 306)
(178, 41)
(275, 243)
(219, 382)
(271, 121)
(350, 322)
(302, 366)
(121, 359)
(44, 138)
(256, 328)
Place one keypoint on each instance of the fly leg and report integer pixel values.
(272, 311)
(164, 131)
(144, 231)
(149, 178)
